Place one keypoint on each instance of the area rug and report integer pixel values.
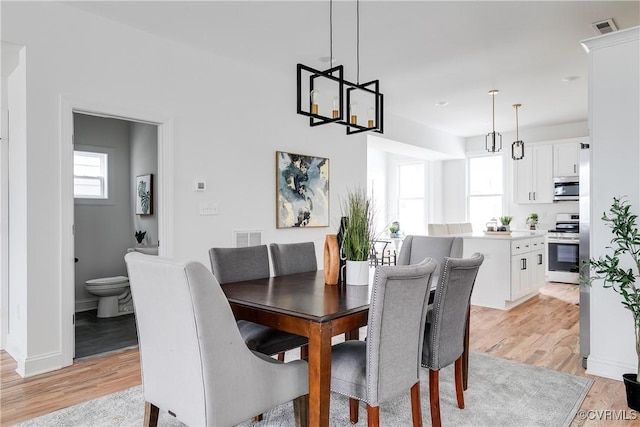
(501, 393)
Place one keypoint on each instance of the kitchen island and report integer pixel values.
(513, 269)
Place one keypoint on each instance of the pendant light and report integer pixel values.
(343, 95)
(517, 148)
(493, 140)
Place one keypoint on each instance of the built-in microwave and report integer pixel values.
(566, 188)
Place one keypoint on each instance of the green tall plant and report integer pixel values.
(625, 243)
(359, 233)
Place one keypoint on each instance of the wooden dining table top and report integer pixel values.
(303, 295)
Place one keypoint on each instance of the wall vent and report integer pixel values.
(604, 27)
(244, 238)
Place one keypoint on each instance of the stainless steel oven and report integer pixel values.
(563, 247)
(566, 188)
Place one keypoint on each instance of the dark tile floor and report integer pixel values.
(97, 336)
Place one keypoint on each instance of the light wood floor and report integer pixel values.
(542, 332)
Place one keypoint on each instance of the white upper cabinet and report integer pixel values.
(534, 175)
(565, 159)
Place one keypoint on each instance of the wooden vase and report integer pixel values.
(331, 259)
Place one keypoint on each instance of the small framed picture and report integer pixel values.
(144, 194)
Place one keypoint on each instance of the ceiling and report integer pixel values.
(423, 52)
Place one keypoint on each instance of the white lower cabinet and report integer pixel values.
(512, 272)
(527, 266)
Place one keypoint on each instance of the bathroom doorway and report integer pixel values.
(110, 154)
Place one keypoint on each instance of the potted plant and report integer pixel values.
(624, 250)
(532, 220)
(394, 228)
(140, 236)
(357, 208)
(505, 221)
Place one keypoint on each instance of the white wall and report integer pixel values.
(614, 90)
(223, 134)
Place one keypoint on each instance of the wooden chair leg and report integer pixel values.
(373, 416)
(354, 405)
(458, 368)
(301, 410)
(416, 407)
(434, 397)
(304, 352)
(151, 413)
(281, 356)
(465, 353)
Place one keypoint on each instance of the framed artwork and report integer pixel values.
(144, 194)
(302, 190)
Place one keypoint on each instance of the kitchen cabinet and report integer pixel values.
(513, 269)
(527, 266)
(565, 159)
(534, 175)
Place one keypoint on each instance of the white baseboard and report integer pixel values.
(86, 304)
(30, 366)
(608, 368)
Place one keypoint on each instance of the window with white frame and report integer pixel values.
(90, 175)
(411, 198)
(485, 190)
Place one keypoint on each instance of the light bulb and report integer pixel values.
(371, 112)
(354, 113)
(336, 107)
(315, 97)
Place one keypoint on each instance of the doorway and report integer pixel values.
(109, 154)
(163, 194)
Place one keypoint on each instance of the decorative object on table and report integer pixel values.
(517, 147)
(342, 277)
(331, 259)
(505, 221)
(358, 236)
(327, 92)
(140, 236)
(492, 225)
(394, 229)
(532, 220)
(144, 194)
(608, 268)
(493, 140)
(302, 185)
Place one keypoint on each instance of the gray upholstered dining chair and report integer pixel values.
(444, 333)
(416, 248)
(237, 264)
(292, 258)
(388, 362)
(194, 362)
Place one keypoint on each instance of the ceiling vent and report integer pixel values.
(604, 27)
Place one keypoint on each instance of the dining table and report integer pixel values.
(303, 304)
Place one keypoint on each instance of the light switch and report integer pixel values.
(209, 208)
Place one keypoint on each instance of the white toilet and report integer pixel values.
(115, 296)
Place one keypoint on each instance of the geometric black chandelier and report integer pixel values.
(326, 94)
(517, 148)
(493, 140)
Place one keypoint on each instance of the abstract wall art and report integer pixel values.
(302, 190)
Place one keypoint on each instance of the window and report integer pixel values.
(90, 175)
(485, 190)
(411, 194)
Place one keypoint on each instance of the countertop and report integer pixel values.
(515, 235)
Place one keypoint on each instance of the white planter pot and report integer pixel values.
(357, 272)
